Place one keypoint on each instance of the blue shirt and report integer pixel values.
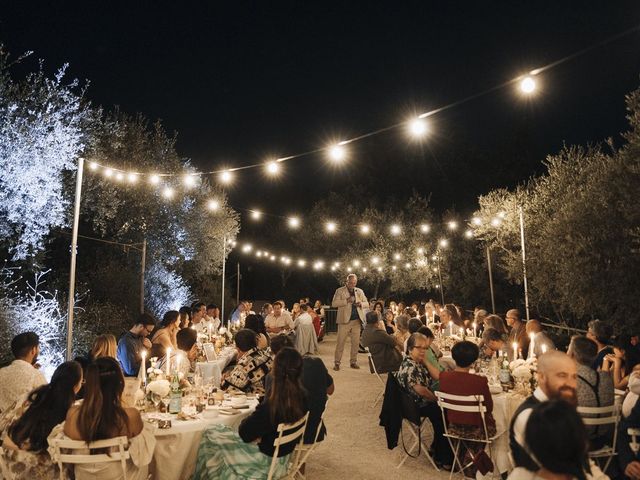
(128, 353)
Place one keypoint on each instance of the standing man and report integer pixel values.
(517, 334)
(350, 302)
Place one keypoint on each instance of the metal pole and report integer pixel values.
(224, 263)
(143, 265)
(74, 248)
(524, 263)
(440, 277)
(238, 284)
(493, 299)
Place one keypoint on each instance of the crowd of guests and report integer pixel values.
(547, 435)
(84, 399)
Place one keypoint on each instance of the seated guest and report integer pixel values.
(600, 332)
(224, 453)
(451, 321)
(267, 309)
(557, 440)
(278, 321)
(256, 323)
(26, 426)
(594, 389)
(631, 398)
(133, 342)
(306, 340)
(461, 382)
(101, 416)
(212, 317)
(317, 383)
(21, 376)
(239, 313)
(389, 326)
(103, 346)
(383, 347)
(539, 341)
(185, 317)
(187, 339)
(557, 380)
(166, 334)
(414, 378)
(492, 342)
(479, 316)
(431, 358)
(517, 334)
(198, 311)
(495, 322)
(402, 331)
(621, 362)
(253, 365)
(413, 326)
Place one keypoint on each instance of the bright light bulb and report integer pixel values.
(119, 176)
(420, 250)
(424, 228)
(256, 214)
(417, 127)
(443, 242)
(337, 153)
(395, 229)
(502, 214)
(272, 258)
(375, 260)
(272, 168)
(294, 222)
(356, 263)
(397, 256)
(453, 225)
(302, 263)
(331, 227)
(167, 193)
(213, 205)
(407, 266)
(318, 265)
(527, 85)
(337, 264)
(189, 180)
(226, 177)
(477, 221)
(93, 166)
(379, 269)
(495, 222)
(468, 233)
(154, 179)
(247, 248)
(365, 229)
(434, 257)
(333, 268)
(364, 270)
(394, 268)
(132, 177)
(259, 254)
(108, 172)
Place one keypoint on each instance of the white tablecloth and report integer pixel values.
(504, 406)
(174, 457)
(212, 371)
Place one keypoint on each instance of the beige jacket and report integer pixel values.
(340, 301)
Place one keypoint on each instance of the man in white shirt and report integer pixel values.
(212, 317)
(21, 376)
(279, 320)
(557, 380)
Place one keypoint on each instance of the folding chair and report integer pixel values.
(288, 433)
(306, 449)
(77, 455)
(603, 416)
(374, 371)
(411, 418)
(467, 404)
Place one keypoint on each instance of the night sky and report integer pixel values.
(242, 80)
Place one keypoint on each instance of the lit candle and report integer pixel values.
(143, 366)
(474, 329)
(168, 361)
(514, 346)
(532, 345)
(543, 347)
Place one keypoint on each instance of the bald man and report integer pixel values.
(557, 380)
(537, 338)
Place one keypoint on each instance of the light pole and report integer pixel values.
(524, 262)
(74, 250)
(440, 277)
(224, 263)
(493, 300)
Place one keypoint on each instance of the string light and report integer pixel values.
(294, 222)
(108, 172)
(397, 256)
(337, 153)
(247, 248)
(395, 229)
(356, 263)
(167, 193)
(425, 228)
(527, 85)
(132, 177)
(301, 263)
(331, 227)
(213, 205)
(417, 127)
(375, 260)
(365, 229)
(119, 176)
(496, 221)
(452, 225)
(272, 168)
(226, 177)
(444, 243)
(256, 214)
(189, 180)
(93, 166)
(477, 221)
(154, 179)
(468, 233)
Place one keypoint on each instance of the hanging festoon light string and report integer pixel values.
(417, 127)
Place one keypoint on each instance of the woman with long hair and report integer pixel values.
(103, 346)
(255, 323)
(166, 334)
(101, 416)
(319, 309)
(26, 427)
(621, 362)
(247, 454)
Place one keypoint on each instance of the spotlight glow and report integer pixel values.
(132, 177)
(397, 256)
(395, 229)
(256, 214)
(108, 172)
(407, 265)
(294, 222)
(272, 168)
(93, 166)
(394, 268)
(468, 233)
(226, 177)
(337, 153)
(527, 85)
(154, 179)
(365, 229)
(119, 176)
(425, 228)
(375, 260)
(443, 243)
(356, 263)
(331, 227)
(417, 127)
(189, 180)
(213, 205)
(452, 225)
(247, 248)
(302, 263)
(272, 258)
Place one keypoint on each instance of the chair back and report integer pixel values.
(609, 415)
(75, 452)
(463, 403)
(409, 408)
(372, 365)
(288, 433)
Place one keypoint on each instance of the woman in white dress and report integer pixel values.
(306, 340)
(101, 416)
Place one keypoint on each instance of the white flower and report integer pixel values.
(516, 363)
(139, 395)
(159, 387)
(523, 372)
(157, 371)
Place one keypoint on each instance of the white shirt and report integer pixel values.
(17, 379)
(304, 319)
(521, 421)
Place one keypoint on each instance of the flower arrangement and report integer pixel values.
(159, 387)
(154, 373)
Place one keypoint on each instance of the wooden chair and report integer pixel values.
(467, 404)
(306, 449)
(288, 433)
(609, 415)
(77, 455)
(374, 371)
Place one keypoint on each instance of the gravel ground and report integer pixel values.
(356, 446)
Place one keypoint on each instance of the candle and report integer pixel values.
(543, 347)
(168, 361)
(474, 329)
(462, 332)
(532, 345)
(514, 346)
(143, 366)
